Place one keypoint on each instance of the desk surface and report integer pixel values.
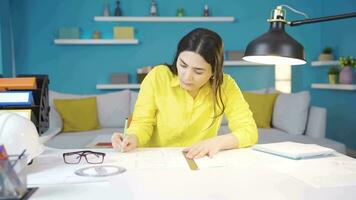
(162, 173)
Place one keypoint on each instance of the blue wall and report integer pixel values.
(341, 35)
(1, 17)
(5, 45)
(78, 69)
(0, 51)
(3, 8)
(82, 67)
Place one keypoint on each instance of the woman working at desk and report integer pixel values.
(183, 104)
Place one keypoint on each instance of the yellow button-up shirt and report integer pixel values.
(166, 115)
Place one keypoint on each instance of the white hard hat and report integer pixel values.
(17, 134)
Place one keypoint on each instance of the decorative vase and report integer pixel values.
(106, 11)
(346, 75)
(153, 8)
(206, 11)
(118, 9)
(333, 78)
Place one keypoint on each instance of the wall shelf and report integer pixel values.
(324, 63)
(241, 63)
(333, 86)
(117, 86)
(94, 41)
(163, 19)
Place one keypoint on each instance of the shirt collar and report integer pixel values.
(205, 90)
(175, 81)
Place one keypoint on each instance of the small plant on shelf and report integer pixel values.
(333, 75)
(347, 61)
(334, 70)
(327, 50)
(326, 54)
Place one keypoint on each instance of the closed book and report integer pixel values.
(124, 32)
(294, 150)
(69, 33)
(16, 98)
(119, 78)
(234, 55)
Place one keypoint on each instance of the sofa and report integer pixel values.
(293, 120)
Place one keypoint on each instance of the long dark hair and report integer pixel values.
(209, 45)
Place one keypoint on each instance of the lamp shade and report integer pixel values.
(275, 47)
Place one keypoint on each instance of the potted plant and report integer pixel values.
(333, 75)
(327, 54)
(347, 63)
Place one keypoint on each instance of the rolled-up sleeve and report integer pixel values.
(144, 115)
(239, 116)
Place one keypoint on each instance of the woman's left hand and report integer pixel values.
(207, 147)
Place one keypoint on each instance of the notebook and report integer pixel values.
(294, 150)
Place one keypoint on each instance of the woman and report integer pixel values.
(183, 104)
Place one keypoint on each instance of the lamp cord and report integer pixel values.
(295, 10)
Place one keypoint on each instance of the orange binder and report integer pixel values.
(23, 83)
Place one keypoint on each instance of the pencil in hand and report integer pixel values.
(124, 136)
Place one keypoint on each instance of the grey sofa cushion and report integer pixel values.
(272, 90)
(79, 140)
(133, 98)
(316, 125)
(291, 112)
(113, 107)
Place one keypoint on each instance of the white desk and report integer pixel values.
(234, 174)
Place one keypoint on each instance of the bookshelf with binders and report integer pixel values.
(36, 107)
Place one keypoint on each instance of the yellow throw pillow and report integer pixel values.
(78, 114)
(261, 106)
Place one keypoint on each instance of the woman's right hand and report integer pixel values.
(124, 144)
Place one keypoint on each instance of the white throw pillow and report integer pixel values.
(290, 112)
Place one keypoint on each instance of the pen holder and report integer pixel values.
(13, 177)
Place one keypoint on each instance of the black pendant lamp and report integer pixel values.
(276, 46)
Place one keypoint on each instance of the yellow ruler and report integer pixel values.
(191, 162)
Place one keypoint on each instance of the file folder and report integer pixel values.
(16, 98)
(23, 83)
(26, 113)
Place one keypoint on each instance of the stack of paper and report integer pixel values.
(294, 150)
